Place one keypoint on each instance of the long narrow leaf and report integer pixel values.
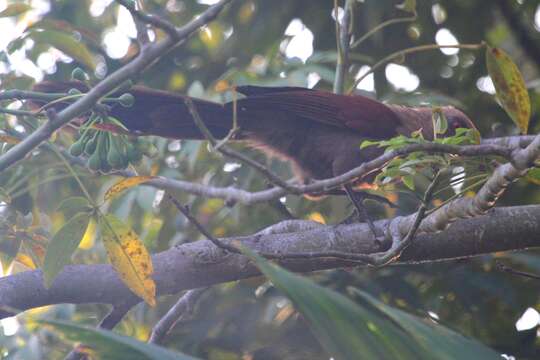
(63, 245)
(111, 346)
(350, 331)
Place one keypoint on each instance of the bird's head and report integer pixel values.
(416, 118)
(456, 119)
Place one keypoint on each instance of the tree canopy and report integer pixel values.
(165, 242)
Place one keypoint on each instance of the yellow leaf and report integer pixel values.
(87, 241)
(211, 35)
(15, 10)
(129, 257)
(317, 217)
(510, 87)
(154, 169)
(126, 184)
(9, 139)
(177, 81)
(246, 12)
(25, 260)
(221, 86)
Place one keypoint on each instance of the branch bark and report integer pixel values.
(199, 264)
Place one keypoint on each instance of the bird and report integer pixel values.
(317, 132)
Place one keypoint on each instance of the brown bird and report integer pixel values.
(319, 133)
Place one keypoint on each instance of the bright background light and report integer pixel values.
(301, 43)
(530, 319)
(401, 77)
(445, 37)
(368, 83)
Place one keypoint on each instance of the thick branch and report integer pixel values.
(200, 263)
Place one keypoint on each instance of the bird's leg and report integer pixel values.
(357, 198)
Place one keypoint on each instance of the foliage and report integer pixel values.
(108, 345)
(372, 330)
(247, 45)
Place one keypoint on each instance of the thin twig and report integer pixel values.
(398, 244)
(180, 311)
(185, 211)
(150, 19)
(411, 50)
(381, 26)
(363, 258)
(343, 36)
(500, 266)
(18, 112)
(29, 95)
(224, 149)
(282, 209)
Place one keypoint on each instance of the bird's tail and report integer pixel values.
(155, 112)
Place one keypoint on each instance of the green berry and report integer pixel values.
(90, 146)
(77, 148)
(74, 92)
(79, 74)
(126, 100)
(94, 162)
(114, 157)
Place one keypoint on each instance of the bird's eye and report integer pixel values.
(456, 123)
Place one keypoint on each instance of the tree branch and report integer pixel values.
(200, 264)
(183, 308)
(150, 19)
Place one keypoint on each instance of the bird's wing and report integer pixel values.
(369, 117)
(253, 90)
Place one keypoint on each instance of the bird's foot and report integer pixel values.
(360, 213)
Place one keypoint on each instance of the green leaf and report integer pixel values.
(73, 205)
(533, 176)
(108, 345)
(344, 329)
(440, 124)
(65, 43)
(408, 180)
(63, 245)
(510, 87)
(439, 341)
(9, 247)
(367, 143)
(350, 331)
(16, 44)
(15, 10)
